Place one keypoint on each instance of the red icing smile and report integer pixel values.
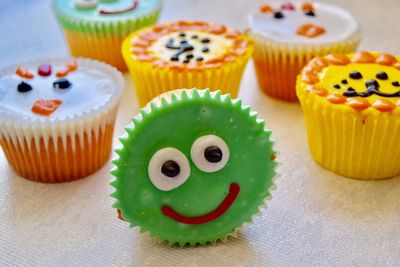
(234, 190)
(131, 8)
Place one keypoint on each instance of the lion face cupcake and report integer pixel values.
(351, 105)
(287, 35)
(185, 55)
(57, 117)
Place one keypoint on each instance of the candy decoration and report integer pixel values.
(67, 69)
(278, 15)
(44, 70)
(61, 84)
(288, 6)
(310, 30)
(45, 107)
(23, 87)
(24, 73)
(266, 9)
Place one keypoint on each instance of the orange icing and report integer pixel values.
(336, 98)
(266, 9)
(337, 59)
(317, 90)
(383, 105)
(363, 57)
(386, 59)
(24, 73)
(310, 30)
(358, 103)
(64, 71)
(45, 107)
(307, 7)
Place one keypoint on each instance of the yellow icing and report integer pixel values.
(334, 74)
(218, 45)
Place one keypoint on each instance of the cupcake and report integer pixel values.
(95, 29)
(351, 107)
(184, 55)
(202, 177)
(57, 117)
(288, 35)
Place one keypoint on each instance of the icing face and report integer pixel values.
(54, 90)
(190, 45)
(205, 175)
(303, 21)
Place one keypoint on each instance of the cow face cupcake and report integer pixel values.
(96, 28)
(351, 105)
(57, 117)
(287, 35)
(185, 55)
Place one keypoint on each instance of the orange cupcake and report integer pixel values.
(186, 54)
(57, 117)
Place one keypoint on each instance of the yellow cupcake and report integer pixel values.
(185, 55)
(351, 107)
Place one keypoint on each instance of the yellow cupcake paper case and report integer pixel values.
(351, 108)
(153, 75)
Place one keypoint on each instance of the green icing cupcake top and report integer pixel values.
(106, 10)
(193, 167)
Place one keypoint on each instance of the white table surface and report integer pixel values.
(315, 218)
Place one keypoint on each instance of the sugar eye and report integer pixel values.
(168, 169)
(86, 3)
(382, 75)
(209, 153)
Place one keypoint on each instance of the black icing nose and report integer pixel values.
(372, 85)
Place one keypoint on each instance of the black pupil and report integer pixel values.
(213, 154)
(170, 168)
(355, 75)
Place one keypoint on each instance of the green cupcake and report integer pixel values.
(194, 166)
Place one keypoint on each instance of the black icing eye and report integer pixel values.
(182, 34)
(355, 75)
(205, 40)
(23, 87)
(396, 84)
(170, 168)
(336, 86)
(344, 81)
(278, 15)
(213, 154)
(382, 75)
(61, 84)
(205, 49)
(310, 13)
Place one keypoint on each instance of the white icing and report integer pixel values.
(218, 45)
(88, 106)
(86, 3)
(338, 23)
(160, 180)
(200, 145)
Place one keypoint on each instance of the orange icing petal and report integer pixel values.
(266, 9)
(217, 29)
(317, 90)
(336, 98)
(337, 59)
(45, 107)
(307, 7)
(318, 63)
(363, 57)
(383, 105)
(386, 59)
(144, 57)
(215, 60)
(72, 65)
(232, 34)
(63, 72)
(358, 103)
(309, 78)
(230, 58)
(24, 73)
(396, 65)
(310, 30)
(150, 35)
(159, 63)
(140, 42)
(136, 50)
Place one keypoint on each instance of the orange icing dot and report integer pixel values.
(358, 103)
(24, 73)
(386, 59)
(45, 107)
(337, 59)
(310, 30)
(266, 9)
(336, 98)
(307, 7)
(363, 57)
(383, 105)
(317, 90)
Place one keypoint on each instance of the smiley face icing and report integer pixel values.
(202, 177)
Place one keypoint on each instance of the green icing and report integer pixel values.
(90, 21)
(178, 123)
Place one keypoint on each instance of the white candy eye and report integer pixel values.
(209, 153)
(168, 169)
(86, 3)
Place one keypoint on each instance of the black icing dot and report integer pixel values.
(396, 83)
(205, 49)
(372, 84)
(205, 40)
(213, 154)
(182, 34)
(350, 92)
(23, 87)
(382, 75)
(278, 15)
(174, 58)
(200, 59)
(170, 168)
(61, 84)
(186, 60)
(184, 42)
(195, 36)
(355, 75)
(344, 81)
(189, 56)
(310, 13)
(336, 86)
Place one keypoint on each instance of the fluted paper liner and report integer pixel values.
(61, 149)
